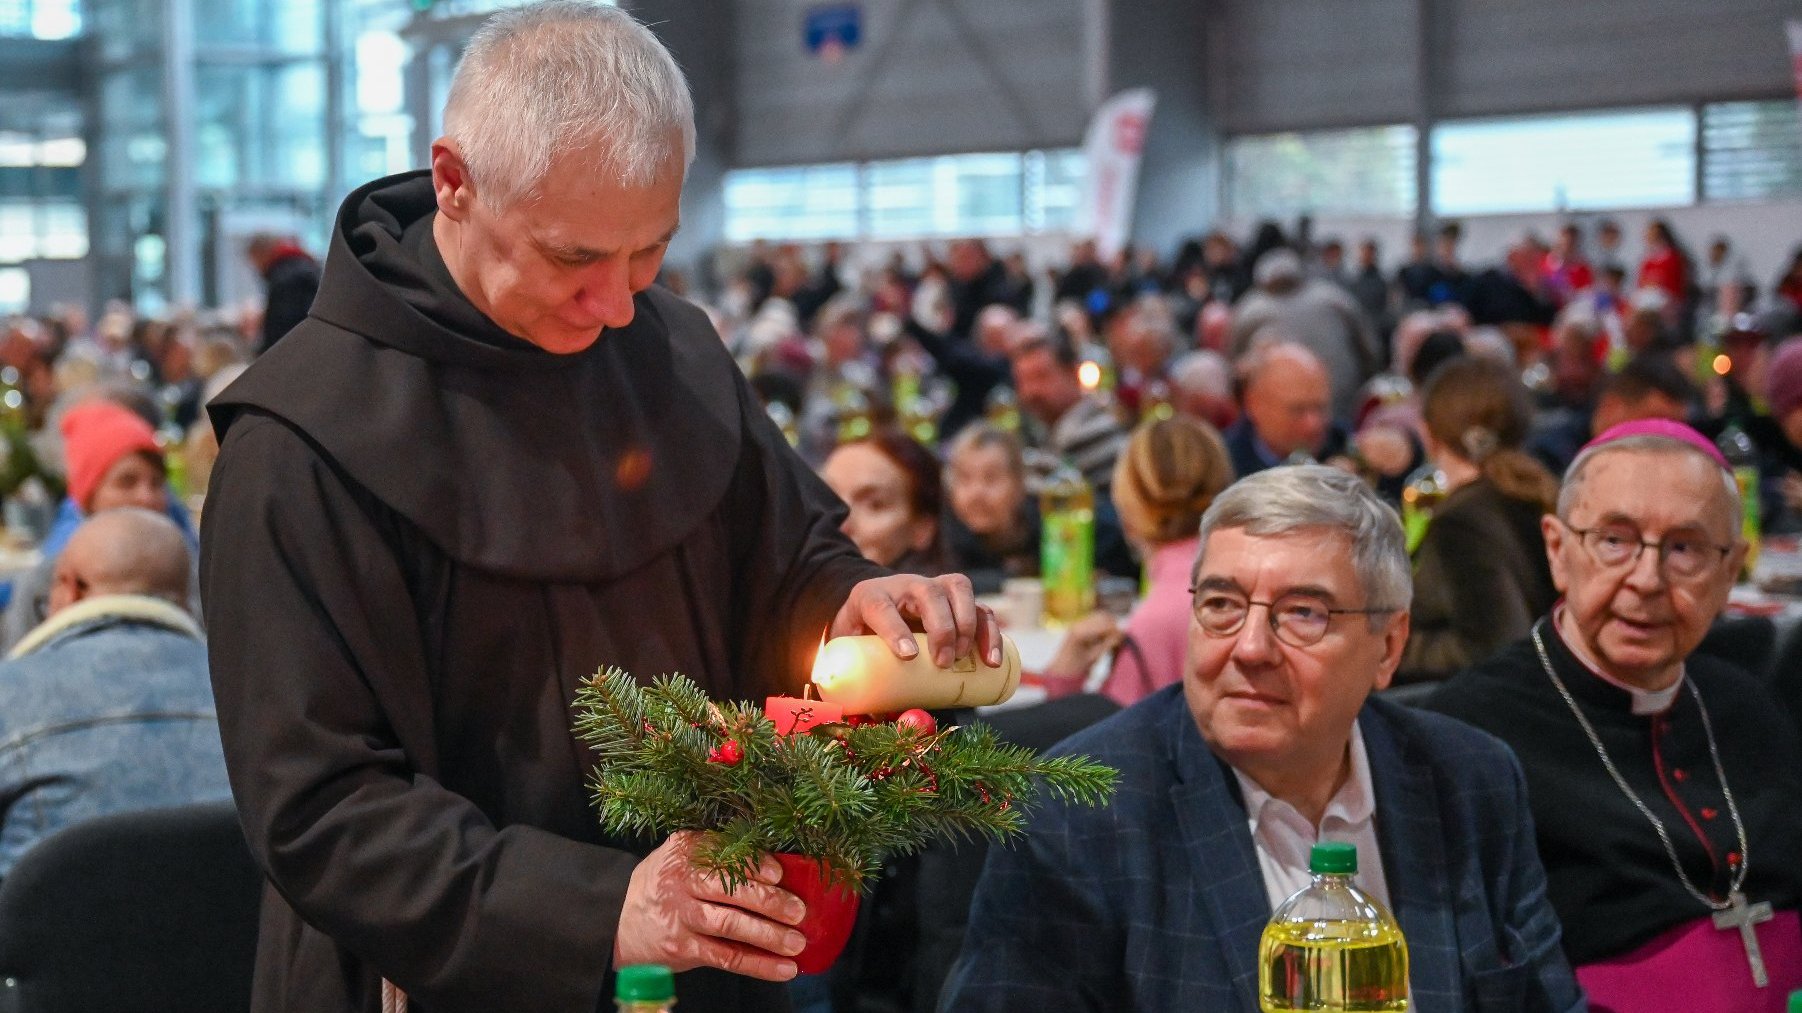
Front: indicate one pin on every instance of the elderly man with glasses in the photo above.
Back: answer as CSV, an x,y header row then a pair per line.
x,y
1666,785
1270,743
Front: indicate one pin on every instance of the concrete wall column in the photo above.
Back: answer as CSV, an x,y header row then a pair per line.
x,y
1162,45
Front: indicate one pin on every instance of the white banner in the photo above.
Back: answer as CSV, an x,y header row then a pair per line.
x,y
1112,147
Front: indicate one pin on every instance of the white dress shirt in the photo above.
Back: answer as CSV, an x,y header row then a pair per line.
x,y
1284,837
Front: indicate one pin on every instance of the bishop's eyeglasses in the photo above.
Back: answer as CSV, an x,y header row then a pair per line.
x,y
1683,555
1298,620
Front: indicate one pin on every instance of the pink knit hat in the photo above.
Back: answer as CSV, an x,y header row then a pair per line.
x,y
1661,427
96,435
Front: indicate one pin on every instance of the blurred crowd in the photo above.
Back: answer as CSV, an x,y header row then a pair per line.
x,y
938,391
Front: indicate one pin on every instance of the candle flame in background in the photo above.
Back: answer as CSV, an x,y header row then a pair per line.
x,y
1722,365
1089,375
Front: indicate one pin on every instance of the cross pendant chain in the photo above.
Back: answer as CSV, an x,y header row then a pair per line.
x,y
1742,916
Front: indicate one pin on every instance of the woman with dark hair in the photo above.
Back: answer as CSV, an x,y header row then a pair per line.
x,y
1668,268
1480,574
892,486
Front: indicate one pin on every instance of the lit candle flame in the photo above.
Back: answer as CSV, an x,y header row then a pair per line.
x,y
1089,375
819,655
835,660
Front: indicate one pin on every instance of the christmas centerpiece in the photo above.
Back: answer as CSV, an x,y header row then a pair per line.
x,y
831,797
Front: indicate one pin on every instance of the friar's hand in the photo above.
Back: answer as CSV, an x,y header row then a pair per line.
x,y
944,606
681,917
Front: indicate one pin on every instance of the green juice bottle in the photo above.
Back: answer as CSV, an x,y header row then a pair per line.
x,y
1332,947
1067,546
1421,495
644,988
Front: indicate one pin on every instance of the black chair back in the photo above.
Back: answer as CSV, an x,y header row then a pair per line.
x,y
146,911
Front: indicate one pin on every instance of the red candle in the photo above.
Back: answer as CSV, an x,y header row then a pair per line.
x,y
792,714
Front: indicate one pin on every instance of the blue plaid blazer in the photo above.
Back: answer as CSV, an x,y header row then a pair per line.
x,y
1156,902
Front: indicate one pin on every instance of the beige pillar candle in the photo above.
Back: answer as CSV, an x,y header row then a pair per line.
x,y
862,675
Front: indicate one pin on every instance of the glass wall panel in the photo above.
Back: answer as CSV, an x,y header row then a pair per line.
x,y
995,194
797,202
40,19
280,26
1368,171
1610,159
1751,150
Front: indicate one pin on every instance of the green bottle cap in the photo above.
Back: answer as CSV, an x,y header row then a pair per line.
x,y
645,983
1333,858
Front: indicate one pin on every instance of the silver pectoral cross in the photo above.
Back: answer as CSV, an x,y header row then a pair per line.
x,y
1742,916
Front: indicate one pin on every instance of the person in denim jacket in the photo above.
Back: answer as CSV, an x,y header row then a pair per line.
x,y
106,706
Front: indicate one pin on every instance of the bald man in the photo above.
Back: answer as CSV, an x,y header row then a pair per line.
x,y
1288,410
106,706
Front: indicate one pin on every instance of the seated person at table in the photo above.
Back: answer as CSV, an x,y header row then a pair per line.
x,y
113,460
1288,410
1666,785
106,707
1480,575
1067,422
1271,743
892,485
1169,472
992,529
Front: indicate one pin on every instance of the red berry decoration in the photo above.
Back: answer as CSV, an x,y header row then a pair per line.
x,y
918,720
727,753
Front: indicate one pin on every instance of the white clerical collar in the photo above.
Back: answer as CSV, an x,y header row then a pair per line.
x,y
1352,804
1645,702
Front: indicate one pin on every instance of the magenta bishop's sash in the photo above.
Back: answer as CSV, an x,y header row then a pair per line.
x,y
1704,965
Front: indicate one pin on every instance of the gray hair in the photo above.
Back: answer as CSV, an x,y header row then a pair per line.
x,y
1203,370
1644,443
982,436
548,78
1302,497
1153,315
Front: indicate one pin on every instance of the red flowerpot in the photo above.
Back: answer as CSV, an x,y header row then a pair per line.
x,y
830,912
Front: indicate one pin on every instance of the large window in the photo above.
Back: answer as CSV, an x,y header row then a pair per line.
x,y
1004,193
42,229
1368,171
1751,151
1634,158
797,202
40,19
41,216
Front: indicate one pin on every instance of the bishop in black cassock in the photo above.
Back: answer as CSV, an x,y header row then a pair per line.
x,y
1661,715
1610,879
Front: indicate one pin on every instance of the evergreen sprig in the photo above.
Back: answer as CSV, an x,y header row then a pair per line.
x,y
847,796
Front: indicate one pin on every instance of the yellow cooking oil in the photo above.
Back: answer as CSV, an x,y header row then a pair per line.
x,y
1332,965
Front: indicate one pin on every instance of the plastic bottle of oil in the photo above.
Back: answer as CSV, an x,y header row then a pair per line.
x,y
1332,947
1067,546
